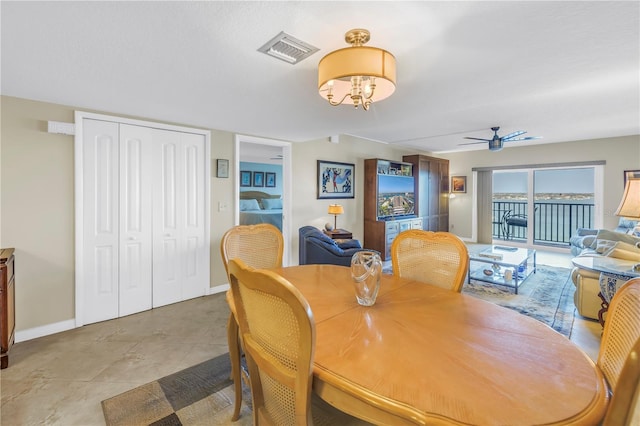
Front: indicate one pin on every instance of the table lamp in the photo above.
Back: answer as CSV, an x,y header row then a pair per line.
x,y
335,210
630,205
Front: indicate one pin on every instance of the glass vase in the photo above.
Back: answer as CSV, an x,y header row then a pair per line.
x,y
366,268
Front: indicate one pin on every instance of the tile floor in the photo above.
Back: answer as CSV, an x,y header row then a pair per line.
x,y
61,379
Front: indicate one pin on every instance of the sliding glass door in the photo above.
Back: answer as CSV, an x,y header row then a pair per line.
x,y
542,206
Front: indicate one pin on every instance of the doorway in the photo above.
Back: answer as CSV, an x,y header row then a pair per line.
x,y
263,171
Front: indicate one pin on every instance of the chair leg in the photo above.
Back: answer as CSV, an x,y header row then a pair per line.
x,y
234,353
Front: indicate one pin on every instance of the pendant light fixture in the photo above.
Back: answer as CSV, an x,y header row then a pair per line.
x,y
357,75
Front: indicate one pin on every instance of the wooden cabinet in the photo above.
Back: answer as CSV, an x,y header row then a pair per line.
x,y
379,234
7,304
432,190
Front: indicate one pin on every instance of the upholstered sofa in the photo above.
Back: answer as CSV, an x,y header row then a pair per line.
x,y
587,282
584,238
317,247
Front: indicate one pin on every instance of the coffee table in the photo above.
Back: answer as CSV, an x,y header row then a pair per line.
x,y
520,263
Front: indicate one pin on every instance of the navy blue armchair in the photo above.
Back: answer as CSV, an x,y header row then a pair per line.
x,y
317,247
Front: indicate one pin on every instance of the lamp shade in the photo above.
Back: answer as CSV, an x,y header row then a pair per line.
x,y
335,209
630,204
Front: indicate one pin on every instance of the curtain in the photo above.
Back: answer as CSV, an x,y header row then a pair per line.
x,y
485,206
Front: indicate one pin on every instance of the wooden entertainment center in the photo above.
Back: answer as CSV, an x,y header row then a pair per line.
x,y
430,210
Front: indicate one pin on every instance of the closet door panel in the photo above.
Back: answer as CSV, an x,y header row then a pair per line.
x,y
168,213
195,265
101,223
136,220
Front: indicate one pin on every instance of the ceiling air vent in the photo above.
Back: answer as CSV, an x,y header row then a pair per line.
x,y
288,49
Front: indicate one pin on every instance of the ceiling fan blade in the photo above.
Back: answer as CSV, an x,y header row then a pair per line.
x,y
478,139
472,143
523,139
513,135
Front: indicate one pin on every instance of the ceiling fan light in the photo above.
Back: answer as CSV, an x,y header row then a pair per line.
x,y
495,145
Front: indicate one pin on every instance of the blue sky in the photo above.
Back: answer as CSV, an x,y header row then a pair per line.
x,y
553,181
391,184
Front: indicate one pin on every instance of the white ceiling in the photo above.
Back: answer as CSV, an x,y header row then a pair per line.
x,y
561,70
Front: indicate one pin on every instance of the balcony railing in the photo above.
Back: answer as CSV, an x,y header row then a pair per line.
x,y
553,223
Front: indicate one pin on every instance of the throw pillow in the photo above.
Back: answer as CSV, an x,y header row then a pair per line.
x,y
605,234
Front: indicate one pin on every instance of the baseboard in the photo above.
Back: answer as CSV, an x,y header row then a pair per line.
x,y
44,330
218,289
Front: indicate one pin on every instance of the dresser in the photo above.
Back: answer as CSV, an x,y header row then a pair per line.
x,y
7,304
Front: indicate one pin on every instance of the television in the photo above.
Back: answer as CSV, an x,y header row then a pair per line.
x,y
396,196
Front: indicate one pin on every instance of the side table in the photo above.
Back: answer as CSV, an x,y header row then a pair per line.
x,y
339,234
607,265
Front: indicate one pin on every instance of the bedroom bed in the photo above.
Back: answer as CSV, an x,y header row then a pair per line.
x,y
260,207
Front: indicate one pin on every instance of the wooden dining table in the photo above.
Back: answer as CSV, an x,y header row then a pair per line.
x,y
425,355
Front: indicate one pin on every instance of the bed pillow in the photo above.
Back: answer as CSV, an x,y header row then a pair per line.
x,y
249,205
272,203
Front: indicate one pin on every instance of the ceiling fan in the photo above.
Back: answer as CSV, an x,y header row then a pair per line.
x,y
497,142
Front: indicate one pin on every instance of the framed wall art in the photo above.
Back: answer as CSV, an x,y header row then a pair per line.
x,y
258,178
222,168
458,184
335,180
270,180
245,178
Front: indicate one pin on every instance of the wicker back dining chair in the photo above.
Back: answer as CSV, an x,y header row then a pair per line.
x,y
279,335
437,258
624,408
621,331
259,246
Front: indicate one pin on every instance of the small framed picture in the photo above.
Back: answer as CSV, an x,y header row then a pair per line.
x,y
258,178
245,178
458,184
222,169
270,181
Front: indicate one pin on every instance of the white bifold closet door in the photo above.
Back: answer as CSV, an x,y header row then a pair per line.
x,y
178,217
143,203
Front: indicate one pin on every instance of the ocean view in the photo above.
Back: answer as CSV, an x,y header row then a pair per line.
x,y
556,217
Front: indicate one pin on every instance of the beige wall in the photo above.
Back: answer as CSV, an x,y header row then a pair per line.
x,y
37,201
619,153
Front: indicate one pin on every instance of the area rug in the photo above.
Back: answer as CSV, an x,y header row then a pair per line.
x,y
545,296
202,394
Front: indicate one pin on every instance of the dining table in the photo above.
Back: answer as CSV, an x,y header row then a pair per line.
x,y
425,355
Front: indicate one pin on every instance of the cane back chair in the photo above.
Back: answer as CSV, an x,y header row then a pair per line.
x,y
624,408
278,332
621,331
260,246
437,258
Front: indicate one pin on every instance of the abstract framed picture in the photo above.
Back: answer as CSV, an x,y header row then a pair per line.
x,y
335,180
258,178
270,179
458,184
245,178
